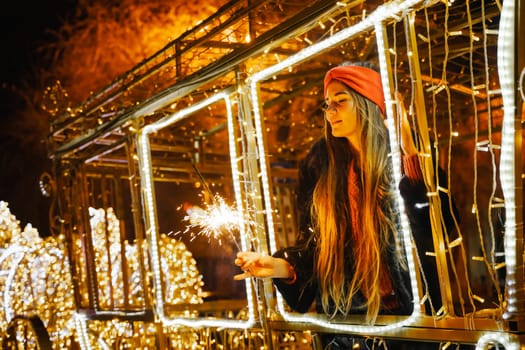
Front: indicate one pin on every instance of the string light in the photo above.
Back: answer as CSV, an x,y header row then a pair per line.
x,y
82,332
151,218
15,255
509,342
506,43
374,20
36,278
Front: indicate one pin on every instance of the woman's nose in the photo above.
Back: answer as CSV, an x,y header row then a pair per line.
x,y
329,112
330,107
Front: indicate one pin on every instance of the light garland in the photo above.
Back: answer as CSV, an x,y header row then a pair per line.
x,y
35,280
182,285
374,20
14,256
152,225
82,332
18,255
509,342
506,43
396,165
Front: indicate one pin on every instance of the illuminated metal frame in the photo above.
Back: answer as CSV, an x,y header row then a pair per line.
x,y
145,169
374,20
506,44
509,341
506,64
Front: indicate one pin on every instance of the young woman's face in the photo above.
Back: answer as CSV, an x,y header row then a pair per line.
x,y
341,112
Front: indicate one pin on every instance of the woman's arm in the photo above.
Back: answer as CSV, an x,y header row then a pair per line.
x,y
291,270
258,265
414,192
408,146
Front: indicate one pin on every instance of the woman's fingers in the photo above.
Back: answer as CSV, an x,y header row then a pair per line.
x,y
247,259
242,276
248,255
254,265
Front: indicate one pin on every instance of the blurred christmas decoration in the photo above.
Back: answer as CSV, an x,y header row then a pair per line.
x,y
35,280
183,284
55,100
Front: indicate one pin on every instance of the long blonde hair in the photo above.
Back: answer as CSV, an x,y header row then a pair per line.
x,y
331,215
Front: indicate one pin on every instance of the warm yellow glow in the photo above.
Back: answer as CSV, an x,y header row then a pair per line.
x,y
506,49
36,278
216,220
375,19
147,181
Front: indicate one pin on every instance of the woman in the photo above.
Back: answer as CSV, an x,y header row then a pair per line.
x,y
348,258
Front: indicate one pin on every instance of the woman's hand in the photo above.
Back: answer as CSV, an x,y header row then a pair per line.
x,y
262,266
403,124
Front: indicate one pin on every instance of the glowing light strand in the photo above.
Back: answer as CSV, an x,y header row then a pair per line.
x,y
152,226
19,254
82,332
396,164
506,42
382,13
509,342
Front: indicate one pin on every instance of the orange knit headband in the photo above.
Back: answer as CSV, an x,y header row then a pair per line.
x,y
365,81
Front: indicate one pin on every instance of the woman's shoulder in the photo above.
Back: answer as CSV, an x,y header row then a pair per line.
x,y
319,147
316,155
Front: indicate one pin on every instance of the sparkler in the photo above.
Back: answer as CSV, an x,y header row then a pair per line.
x,y
215,220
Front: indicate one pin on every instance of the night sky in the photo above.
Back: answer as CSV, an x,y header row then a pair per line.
x,y
25,24
23,154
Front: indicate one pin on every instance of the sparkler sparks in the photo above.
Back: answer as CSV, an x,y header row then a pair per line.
x,y
217,220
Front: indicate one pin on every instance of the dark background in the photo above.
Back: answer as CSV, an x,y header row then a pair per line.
x,y
25,26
